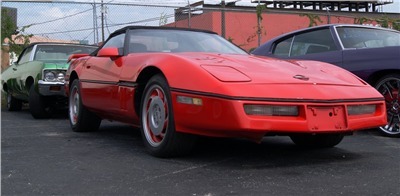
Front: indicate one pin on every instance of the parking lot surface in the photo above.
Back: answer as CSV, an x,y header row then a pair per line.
x,y
44,157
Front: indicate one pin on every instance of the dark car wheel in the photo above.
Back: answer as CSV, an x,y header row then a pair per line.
x,y
317,141
80,118
389,87
158,128
13,104
37,104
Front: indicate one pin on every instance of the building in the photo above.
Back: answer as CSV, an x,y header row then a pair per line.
x,y
239,24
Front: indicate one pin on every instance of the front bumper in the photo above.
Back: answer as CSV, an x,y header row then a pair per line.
x,y
222,117
51,88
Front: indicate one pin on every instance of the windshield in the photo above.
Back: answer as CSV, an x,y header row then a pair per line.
x,y
356,37
160,40
60,52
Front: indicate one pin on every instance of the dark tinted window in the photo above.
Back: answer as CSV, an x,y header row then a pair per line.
x,y
282,48
25,57
317,41
356,37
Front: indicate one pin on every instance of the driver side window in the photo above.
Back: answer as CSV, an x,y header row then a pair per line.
x,y
316,41
25,57
117,42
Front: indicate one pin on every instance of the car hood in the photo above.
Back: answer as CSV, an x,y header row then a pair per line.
x,y
55,65
247,68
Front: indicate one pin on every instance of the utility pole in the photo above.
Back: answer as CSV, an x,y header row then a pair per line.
x,y
102,21
223,19
95,32
189,15
259,25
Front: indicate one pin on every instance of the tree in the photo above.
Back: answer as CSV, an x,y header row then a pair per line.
x,y
388,22
13,35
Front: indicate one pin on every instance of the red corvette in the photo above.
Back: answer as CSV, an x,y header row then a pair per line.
x,y
178,83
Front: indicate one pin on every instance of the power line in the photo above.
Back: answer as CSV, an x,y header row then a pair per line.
x,y
39,23
113,25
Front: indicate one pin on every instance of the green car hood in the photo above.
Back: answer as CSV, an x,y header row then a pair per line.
x,y
55,65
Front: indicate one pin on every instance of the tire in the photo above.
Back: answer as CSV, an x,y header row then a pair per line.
x,y
389,87
37,104
80,118
13,104
317,141
158,126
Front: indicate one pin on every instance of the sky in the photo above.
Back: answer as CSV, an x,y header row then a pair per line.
x,y
69,21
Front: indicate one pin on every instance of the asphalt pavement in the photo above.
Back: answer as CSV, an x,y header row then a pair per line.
x,y
44,157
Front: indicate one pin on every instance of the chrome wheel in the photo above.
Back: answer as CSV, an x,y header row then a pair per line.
x,y
74,105
155,115
389,87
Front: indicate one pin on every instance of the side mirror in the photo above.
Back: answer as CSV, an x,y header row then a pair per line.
x,y
108,52
76,56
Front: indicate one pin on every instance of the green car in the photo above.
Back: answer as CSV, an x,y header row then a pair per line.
x,y
37,77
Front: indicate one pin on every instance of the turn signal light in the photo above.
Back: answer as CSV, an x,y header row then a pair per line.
x,y
271,110
361,109
189,100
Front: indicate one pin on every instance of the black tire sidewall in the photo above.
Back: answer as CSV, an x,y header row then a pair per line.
x,y
166,144
86,120
37,104
13,104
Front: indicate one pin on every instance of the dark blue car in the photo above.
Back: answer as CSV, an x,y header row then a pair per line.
x,y
371,53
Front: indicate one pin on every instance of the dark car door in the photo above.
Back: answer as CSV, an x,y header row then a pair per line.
x,y
367,51
100,77
318,44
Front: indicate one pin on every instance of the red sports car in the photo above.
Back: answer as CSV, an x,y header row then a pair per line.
x,y
178,83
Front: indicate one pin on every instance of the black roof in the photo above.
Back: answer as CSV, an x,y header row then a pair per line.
x,y
159,27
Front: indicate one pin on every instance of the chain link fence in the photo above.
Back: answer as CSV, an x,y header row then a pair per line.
x,y
91,23
85,22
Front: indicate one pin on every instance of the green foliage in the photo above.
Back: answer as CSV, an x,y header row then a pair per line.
x,y
313,19
388,22
8,29
361,20
259,10
383,21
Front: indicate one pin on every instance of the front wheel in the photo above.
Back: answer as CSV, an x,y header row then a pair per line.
x,y
81,119
13,104
317,141
38,105
158,127
389,87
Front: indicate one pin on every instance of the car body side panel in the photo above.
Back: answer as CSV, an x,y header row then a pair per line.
x,y
333,57
99,79
16,75
365,61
